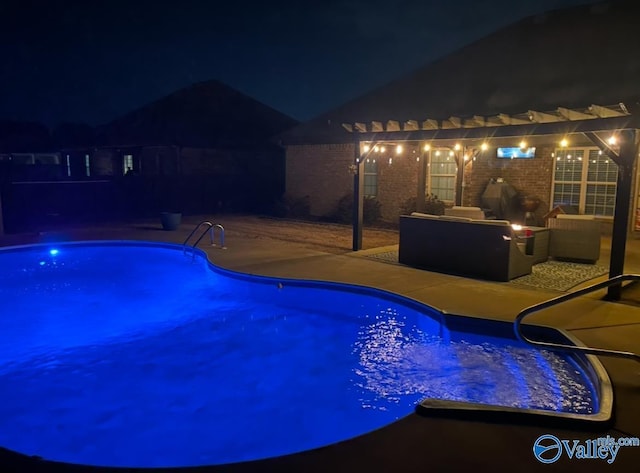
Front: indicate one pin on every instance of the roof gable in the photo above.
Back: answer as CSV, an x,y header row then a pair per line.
x,y
207,114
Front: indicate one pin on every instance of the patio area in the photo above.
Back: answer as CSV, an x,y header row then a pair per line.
x,y
317,251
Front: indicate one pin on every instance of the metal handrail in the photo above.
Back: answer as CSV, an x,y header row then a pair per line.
x,y
208,229
213,235
566,297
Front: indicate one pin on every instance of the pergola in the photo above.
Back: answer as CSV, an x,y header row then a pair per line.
x,y
595,122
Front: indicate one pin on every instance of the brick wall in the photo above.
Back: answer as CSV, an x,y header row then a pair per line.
x,y
397,182
320,172
529,176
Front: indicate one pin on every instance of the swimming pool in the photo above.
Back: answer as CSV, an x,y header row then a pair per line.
x,y
134,354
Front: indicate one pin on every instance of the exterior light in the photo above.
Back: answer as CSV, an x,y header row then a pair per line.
x,y
484,146
599,152
466,157
366,148
438,153
418,159
390,161
612,140
427,147
456,146
382,149
523,144
399,149
564,143
376,148
450,153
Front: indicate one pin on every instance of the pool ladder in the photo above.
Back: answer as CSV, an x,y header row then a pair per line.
x,y
566,297
210,228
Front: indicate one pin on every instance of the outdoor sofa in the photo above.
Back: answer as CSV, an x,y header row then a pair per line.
x,y
574,238
484,249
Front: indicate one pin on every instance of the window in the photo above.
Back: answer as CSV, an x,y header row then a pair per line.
x,y
370,177
68,165
127,164
585,178
441,178
87,165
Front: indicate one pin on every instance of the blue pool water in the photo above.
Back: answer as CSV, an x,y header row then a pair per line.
x,y
137,355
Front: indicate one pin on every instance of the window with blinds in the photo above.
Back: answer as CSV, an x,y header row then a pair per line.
x,y
370,177
585,178
441,179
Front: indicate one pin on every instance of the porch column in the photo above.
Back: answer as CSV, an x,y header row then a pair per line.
x,y
358,196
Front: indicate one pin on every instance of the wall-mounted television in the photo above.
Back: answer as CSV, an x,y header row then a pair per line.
x,y
515,152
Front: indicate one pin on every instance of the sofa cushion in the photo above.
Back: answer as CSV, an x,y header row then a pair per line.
x,y
421,215
469,212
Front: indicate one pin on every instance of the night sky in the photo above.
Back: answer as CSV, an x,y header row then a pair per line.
x,y
92,61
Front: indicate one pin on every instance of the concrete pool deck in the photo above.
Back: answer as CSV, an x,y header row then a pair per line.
x,y
417,443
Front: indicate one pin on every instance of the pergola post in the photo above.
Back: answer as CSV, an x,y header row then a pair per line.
x,y
358,195
459,176
422,180
626,158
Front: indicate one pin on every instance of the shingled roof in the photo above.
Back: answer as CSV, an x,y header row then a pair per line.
x,y
570,58
206,114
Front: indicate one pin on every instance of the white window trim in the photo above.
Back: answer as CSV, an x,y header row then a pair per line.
x,y
582,200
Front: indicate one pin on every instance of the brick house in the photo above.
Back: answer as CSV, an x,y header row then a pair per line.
x,y
542,83
201,149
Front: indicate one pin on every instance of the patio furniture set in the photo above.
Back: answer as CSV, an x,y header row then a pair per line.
x,y
463,242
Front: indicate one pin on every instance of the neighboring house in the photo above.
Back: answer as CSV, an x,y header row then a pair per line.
x,y
202,149
535,83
